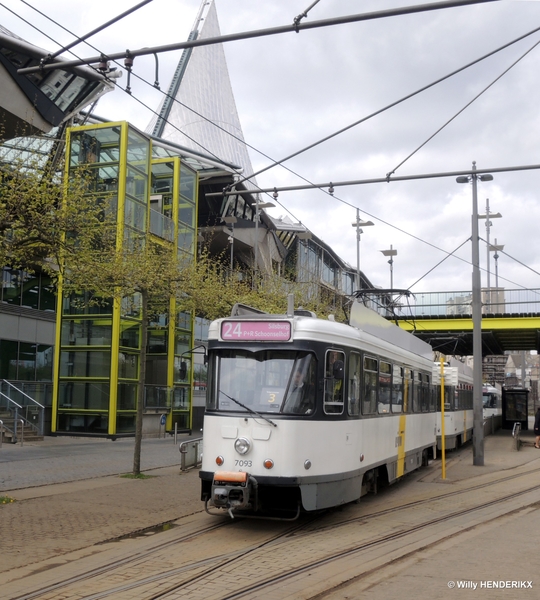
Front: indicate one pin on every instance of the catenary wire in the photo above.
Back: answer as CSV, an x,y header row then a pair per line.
x,y
465,107
337,198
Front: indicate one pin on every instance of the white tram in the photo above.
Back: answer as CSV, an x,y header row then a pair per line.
x,y
492,401
306,413
458,403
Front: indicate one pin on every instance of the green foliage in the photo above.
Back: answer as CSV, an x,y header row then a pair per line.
x,y
6,500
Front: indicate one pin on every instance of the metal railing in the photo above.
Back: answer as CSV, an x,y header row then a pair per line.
x,y
191,454
516,436
495,301
29,409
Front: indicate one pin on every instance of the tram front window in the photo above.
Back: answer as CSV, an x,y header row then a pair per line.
x,y
270,381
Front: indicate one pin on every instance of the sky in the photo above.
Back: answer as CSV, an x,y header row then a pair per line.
x,y
294,89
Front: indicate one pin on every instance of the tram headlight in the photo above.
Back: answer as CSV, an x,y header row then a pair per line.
x,y
242,445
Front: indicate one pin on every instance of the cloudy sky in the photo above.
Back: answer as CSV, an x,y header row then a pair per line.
x,y
294,89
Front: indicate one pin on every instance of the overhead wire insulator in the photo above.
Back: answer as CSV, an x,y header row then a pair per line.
x,y
128,64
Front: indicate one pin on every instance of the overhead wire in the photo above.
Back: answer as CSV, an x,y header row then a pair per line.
x,y
484,90
278,162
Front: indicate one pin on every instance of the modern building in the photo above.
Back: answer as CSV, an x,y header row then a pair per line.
x,y
165,182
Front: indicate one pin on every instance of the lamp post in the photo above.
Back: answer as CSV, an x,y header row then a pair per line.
x,y
358,224
496,248
231,221
258,206
478,424
489,215
391,253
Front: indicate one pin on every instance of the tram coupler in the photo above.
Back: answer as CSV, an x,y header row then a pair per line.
x,y
234,490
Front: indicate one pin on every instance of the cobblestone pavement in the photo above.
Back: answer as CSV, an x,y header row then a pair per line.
x,y
69,497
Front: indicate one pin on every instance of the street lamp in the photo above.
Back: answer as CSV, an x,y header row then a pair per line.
x,y
496,248
489,215
391,253
358,224
258,206
231,221
478,428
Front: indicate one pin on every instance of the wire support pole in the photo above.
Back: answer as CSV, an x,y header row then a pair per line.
x,y
312,186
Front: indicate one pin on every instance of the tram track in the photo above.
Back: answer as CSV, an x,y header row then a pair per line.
x,y
180,581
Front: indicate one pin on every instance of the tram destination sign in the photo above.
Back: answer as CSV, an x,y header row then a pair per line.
x,y
256,331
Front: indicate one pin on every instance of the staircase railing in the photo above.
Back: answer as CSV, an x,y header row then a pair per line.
x,y
29,404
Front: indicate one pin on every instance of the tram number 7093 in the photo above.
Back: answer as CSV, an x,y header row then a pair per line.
x,y
243,463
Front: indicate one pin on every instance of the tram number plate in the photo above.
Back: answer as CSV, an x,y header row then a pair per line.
x,y
243,463
261,331
399,441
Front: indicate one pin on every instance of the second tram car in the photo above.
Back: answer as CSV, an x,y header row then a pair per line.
x,y
491,401
458,403
305,413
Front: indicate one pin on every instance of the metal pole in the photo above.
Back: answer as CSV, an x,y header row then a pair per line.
x,y
488,225
358,232
478,431
232,247
391,262
255,270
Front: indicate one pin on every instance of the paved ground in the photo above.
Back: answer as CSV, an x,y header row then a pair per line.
x,y
69,497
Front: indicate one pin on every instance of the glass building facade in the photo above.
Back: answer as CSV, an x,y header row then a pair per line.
x,y
99,346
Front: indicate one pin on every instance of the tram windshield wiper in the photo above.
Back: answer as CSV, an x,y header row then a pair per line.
x,y
250,410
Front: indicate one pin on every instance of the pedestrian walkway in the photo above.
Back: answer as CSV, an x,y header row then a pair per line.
x,y
62,459
69,497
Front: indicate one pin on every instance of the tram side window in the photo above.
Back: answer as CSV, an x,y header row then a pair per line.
x,y
385,387
417,390
334,382
369,400
407,390
432,397
397,390
355,367
425,392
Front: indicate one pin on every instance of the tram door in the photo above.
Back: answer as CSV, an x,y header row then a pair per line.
x,y
515,408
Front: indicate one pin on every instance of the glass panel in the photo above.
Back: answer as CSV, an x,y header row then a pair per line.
x,y
86,332
187,214
30,291
27,361
44,362
180,398
187,182
128,365
11,286
385,387
185,240
95,363
78,394
302,388
397,390
333,385
416,392
85,304
97,145
135,214
47,297
8,359
138,150
83,423
407,389
157,341
125,423
369,401
355,364
261,380
127,396
129,335
137,185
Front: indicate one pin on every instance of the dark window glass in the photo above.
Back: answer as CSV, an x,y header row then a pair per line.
x,y
8,359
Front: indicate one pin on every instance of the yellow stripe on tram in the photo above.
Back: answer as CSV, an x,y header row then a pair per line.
x,y
401,446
